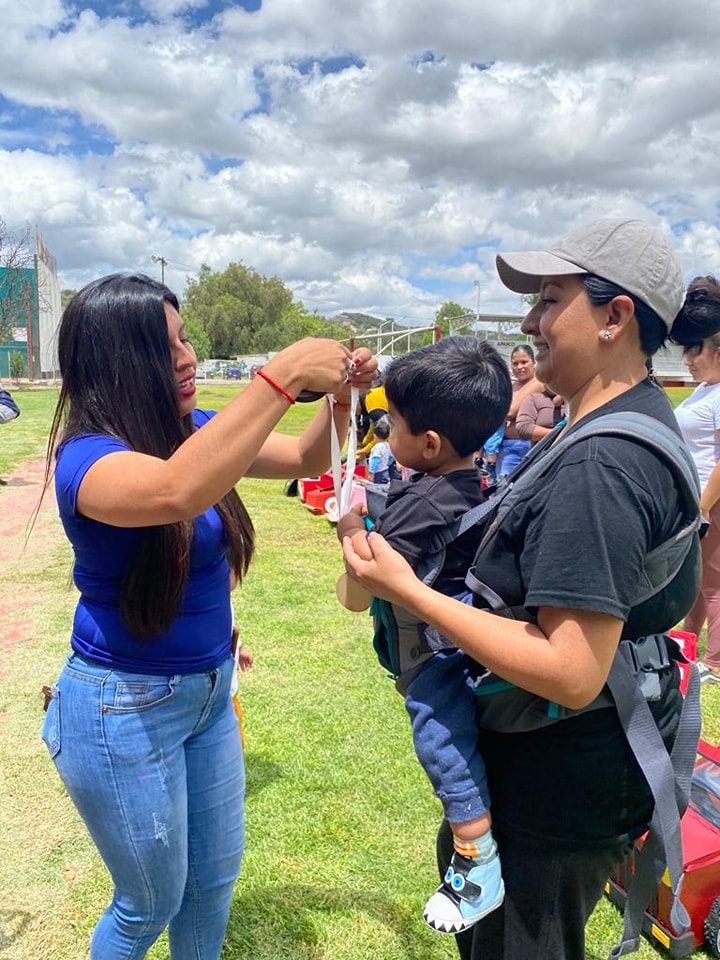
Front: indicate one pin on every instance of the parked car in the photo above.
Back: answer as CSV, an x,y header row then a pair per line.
x,y
700,895
233,373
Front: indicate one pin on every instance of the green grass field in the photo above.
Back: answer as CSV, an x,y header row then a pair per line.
x,y
340,819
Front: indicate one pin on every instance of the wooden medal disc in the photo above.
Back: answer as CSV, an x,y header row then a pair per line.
x,y
351,594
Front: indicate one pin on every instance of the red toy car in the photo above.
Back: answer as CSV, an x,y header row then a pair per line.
x,y
701,885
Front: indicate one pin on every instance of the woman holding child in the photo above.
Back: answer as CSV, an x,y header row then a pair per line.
x,y
140,724
568,798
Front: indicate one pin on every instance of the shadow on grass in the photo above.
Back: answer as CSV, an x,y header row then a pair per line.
x,y
259,773
282,921
12,926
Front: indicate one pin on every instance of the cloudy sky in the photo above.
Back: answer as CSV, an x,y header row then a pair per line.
x,y
373,154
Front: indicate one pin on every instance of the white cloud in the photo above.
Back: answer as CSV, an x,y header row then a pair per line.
x,y
383,186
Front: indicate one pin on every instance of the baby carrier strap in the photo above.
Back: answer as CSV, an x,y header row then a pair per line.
x,y
402,642
669,777
662,847
429,567
632,426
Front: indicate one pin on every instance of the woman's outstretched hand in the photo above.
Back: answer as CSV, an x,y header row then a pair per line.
x,y
386,574
313,363
363,373
323,366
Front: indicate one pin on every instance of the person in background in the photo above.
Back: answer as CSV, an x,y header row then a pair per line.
x,y
375,403
9,410
489,453
513,447
699,420
538,414
140,724
381,459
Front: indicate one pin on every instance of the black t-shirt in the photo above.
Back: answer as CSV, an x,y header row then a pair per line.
x,y
578,542
420,509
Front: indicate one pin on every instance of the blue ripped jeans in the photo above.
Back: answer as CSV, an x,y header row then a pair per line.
x,y
154,765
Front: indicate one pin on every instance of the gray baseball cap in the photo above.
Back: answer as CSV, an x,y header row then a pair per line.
x,y
630,253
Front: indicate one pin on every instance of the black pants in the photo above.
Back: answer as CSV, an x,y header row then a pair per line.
x,y
549,896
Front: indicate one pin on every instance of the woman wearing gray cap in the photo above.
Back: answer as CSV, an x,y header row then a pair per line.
x,y
568,797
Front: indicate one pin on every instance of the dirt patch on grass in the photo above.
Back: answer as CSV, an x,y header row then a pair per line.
x,y
18,500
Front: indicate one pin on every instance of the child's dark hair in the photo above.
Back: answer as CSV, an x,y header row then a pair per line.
x,y
381,428
460,387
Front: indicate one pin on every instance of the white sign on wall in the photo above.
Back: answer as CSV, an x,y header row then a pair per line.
x,y
20,334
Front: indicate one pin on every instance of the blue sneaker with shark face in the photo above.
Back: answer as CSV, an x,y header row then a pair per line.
x,y
469,892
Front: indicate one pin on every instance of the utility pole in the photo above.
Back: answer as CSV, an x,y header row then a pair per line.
x,y
162,261
476,283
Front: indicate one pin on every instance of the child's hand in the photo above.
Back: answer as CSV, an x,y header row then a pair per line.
x,y
351,523
245,660
360,545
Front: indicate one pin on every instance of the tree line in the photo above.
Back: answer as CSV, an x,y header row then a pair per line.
x,y
228,313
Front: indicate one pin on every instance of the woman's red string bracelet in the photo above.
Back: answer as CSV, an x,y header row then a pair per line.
x,y
275,385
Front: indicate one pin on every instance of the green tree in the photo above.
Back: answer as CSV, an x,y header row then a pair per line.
x,y
65,297
443,315
16,262
198,338
16,366
450,311
240,310
297,322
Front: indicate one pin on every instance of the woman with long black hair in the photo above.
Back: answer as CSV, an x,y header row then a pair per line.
x,y
140,724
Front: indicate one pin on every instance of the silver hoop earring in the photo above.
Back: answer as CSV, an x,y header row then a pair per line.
x,y
607,336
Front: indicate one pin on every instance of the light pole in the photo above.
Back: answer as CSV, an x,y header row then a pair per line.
x,y
476,283
162,261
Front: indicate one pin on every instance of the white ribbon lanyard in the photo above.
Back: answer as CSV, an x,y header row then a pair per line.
x,y
343,487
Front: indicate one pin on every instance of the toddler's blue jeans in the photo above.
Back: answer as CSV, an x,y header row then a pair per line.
x,y
441,705
154,766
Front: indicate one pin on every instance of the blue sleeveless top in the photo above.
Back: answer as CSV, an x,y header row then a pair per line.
x,y
199,638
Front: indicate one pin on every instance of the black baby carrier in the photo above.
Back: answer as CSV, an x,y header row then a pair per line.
x,y
403,644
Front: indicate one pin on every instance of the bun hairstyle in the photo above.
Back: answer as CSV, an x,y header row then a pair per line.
x,y
699,318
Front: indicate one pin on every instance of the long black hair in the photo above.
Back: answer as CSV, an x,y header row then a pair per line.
x,y
118,380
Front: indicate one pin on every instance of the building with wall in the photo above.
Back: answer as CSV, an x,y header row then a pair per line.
x,y
31,299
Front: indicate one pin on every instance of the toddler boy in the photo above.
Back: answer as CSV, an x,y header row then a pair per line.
x,y
444,401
